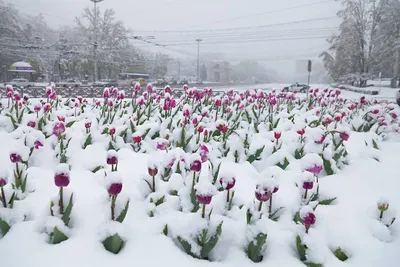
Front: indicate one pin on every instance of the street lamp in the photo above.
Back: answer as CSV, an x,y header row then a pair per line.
x,y
198,58
95,44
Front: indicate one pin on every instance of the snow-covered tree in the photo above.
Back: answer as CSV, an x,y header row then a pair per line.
x,y
354,49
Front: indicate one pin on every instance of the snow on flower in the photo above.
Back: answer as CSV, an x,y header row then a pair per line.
x,y
312,162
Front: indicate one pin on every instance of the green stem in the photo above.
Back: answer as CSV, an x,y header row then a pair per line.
x,y
270,205
61,201
305,194
3,198
260,206
113,198
227,196
203,212
17,177
154,185
380,217
194,179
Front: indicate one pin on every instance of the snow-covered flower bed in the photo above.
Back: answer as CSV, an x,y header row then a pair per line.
x,y
228,180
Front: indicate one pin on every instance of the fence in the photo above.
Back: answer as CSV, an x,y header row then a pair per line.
x,y
88,92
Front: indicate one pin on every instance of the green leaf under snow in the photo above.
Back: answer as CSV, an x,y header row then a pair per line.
x,y
297,218
256,156
210,244
67,213
14,123
193,199
254,249
248,216
160,201
23,185
375,145
4,227
113,244
51,208
165,231
145,133
123,213
40,124
216,173
274,213
301,249
327,201
327,166
339,253
57,236
284,165
69,124
12,199
312,264
148,183
88,141
186,246
97,169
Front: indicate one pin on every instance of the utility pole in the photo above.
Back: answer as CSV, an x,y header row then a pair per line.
x,y
95,44
5,73
198,59
396,69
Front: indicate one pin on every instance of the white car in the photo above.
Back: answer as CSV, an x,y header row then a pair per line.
x,y
302,88
20,83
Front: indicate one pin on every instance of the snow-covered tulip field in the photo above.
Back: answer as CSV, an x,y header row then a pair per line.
x,y
239,179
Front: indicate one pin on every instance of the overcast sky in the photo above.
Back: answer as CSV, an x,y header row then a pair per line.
x,y
300,35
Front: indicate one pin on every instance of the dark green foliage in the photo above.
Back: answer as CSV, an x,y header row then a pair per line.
x,y
256,156
56,237
113,244
339,253
255,248
123,213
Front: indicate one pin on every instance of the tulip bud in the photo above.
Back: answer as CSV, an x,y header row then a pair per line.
x,y
308,217
195,166
114,183
112,157
15,158
61,177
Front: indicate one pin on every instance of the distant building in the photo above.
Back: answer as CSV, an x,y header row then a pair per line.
x,y
218,71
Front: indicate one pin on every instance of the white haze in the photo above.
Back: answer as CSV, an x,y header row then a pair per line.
x,y
186,15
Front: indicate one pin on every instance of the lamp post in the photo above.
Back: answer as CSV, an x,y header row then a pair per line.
x,y
5,73
198,58
95,44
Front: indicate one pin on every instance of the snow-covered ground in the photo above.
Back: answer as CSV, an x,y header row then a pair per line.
x,y
364,175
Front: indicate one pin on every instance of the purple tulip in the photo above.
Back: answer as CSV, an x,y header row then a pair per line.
x,y
227,183
3,181
58,129
15,158
315,170
309,219
264,196
204,199
152,171
114,189
61,179
308,185
195,166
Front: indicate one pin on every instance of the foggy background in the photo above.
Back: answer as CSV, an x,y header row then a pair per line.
x,y
277,34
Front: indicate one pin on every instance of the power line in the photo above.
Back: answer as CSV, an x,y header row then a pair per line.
x,y
241,28
250,40
258,14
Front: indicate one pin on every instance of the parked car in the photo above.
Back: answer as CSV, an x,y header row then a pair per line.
x,y
159,82
106,83
20,82
302,88
69,83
